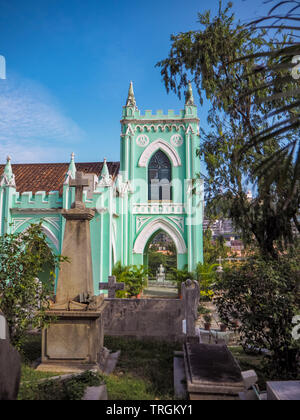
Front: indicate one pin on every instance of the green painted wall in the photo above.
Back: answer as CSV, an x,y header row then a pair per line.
x,y
125,219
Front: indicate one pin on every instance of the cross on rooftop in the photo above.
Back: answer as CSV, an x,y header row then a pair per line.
x,y
79,183
112,286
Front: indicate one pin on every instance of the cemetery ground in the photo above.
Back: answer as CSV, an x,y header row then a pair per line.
x,y
144,371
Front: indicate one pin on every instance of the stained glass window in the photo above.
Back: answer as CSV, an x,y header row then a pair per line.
x,y
159,177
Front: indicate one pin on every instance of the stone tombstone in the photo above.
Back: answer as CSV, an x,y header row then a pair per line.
x,y
190,295
76,277
2,327
283,391
74,341
10,365
112,286
212,373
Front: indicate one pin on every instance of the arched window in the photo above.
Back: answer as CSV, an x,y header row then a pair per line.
x,y
159,177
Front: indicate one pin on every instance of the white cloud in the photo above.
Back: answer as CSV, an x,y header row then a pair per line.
x,y
33,128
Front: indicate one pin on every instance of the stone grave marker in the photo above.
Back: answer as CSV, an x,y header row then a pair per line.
x,y
283,391
2,328
112,286
212,373
190,296
75,341
10,365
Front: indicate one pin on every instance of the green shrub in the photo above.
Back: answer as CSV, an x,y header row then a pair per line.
x,y
262,295
133,276
23,298
69,389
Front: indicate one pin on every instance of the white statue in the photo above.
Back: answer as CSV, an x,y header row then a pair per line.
x,y
160,274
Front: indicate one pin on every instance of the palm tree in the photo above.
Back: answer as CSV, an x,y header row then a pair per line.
x,y
280,66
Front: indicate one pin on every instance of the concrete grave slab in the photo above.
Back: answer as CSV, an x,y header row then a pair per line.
x,y
180,390
283,391
95,393
212,372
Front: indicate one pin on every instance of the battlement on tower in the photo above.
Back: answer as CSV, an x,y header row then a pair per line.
x,y
39,200
159,115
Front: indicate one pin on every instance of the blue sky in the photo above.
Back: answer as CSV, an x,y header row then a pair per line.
x,y
69,64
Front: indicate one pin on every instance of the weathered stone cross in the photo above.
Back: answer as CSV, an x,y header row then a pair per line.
x,y
112,286
79,183
220,268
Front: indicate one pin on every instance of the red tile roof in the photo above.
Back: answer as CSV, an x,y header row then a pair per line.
x,y
50,176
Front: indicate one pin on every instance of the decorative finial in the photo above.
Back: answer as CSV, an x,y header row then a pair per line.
x,y
189,97
72,167
105,171
8,177
105,179
131,99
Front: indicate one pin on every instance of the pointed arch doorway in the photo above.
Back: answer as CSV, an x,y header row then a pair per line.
x,y
148,232
160,252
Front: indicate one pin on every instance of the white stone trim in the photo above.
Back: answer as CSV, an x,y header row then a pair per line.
x,y
54,221
165,147
130,130
154,226
140,221
5,182
142,140
177,140
179,221
51,236
156,125
158,208
190,130
17,223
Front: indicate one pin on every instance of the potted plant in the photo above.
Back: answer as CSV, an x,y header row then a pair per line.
x,y
134,277
207,321
223,327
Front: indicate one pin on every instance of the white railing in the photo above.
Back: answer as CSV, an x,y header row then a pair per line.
x,y
158,208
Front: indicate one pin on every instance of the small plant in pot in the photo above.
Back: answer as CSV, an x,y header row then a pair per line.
x,y
223,327
207,321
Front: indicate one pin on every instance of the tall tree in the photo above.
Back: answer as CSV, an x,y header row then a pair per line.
x,y
23,298
209,57
280,67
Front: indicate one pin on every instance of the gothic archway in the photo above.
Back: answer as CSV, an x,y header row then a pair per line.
x,y
160,251
156,225
169,150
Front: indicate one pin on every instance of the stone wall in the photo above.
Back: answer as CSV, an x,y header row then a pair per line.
x,y
159,319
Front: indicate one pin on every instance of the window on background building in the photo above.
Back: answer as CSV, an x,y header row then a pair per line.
x,y
159,177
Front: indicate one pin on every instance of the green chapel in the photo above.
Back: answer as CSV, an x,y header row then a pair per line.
x,y
154,188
